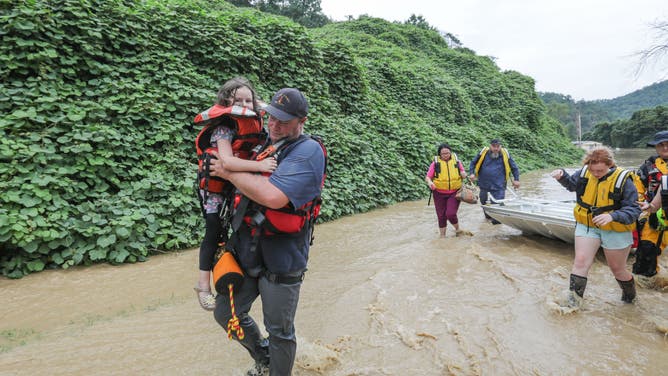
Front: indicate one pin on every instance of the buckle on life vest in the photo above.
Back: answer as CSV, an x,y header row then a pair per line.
x,y
257,219
596,210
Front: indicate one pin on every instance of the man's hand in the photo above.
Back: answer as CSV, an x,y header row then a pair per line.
x,y
472,177
217,167
516,184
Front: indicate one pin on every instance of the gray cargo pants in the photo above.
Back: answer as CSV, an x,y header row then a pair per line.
x,y
279,304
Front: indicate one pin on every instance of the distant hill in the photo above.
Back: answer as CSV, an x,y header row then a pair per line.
x,y
564,108
633,132
647,97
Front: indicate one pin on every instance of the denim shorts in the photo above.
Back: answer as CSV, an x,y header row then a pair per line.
x,y
610,240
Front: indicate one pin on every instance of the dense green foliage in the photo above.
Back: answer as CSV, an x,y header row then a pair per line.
x,y
634,132
565,109
97,99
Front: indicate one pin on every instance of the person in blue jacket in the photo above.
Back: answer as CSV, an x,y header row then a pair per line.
x,y
492,168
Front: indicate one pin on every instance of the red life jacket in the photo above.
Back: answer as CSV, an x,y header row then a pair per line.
x,y
249,135
654,178
285,220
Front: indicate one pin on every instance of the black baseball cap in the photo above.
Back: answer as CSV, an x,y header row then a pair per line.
x,y
495,141
287,104
659,137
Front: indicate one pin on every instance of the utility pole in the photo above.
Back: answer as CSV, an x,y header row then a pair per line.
x,y
578,127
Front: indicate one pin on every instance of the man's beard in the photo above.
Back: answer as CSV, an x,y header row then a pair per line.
x,y
495,154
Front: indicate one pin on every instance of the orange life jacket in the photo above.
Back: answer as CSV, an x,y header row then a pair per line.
x,y
249,135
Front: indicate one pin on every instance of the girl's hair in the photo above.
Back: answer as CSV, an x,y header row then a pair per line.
x,y
229,89
599,155
441,147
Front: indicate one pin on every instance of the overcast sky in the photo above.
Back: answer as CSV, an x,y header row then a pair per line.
x,y
581,48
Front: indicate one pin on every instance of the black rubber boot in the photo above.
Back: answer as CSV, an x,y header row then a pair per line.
x,y
646,259
578,284
628,290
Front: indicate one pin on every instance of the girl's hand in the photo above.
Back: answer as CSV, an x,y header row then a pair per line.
x,y
602,219
557,174
268,164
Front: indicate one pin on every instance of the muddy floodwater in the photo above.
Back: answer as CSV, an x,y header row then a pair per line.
x,y
383,296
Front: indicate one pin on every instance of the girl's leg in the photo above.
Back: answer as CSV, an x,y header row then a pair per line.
x,y
208,249
617,263
585,251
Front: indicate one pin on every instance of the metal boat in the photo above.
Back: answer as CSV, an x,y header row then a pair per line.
x,y
551,219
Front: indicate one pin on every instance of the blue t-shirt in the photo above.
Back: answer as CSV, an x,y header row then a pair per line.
x,y
299,176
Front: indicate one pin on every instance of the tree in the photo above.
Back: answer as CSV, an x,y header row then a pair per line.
x,y
418,21
451,40
658,51
241,3
305,12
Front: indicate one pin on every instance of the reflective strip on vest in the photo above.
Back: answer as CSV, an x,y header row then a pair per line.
x,y
217,110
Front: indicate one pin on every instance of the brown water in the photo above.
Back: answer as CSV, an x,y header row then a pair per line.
x,y
383,296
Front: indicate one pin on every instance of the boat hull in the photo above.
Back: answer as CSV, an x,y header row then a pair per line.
x,y
551,219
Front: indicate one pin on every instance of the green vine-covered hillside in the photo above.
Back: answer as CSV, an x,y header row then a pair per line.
x,y
97,99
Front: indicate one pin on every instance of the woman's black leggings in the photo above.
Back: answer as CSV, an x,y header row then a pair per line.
x,y
209,244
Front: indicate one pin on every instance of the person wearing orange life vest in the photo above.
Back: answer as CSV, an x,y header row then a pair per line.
x,y
652,237
444,178
231,141
274,261
605,215
493,167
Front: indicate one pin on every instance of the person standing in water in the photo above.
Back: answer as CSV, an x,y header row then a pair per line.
x,y
605,215
652,236
493,167
274,234
444,178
